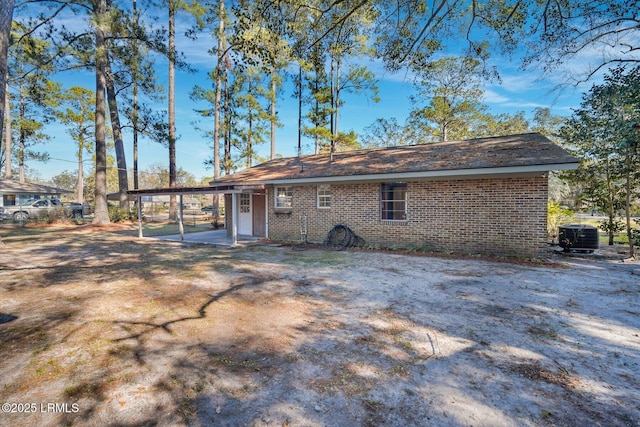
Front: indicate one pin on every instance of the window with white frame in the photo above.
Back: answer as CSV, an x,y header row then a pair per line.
x,y
324,196
245,203
284,197
393,201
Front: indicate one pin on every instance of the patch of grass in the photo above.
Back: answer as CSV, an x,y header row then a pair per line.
x,y
366,339
393,330
233,362
373,409
406,345
262,249
85,390
399,370
315,257
40,350
534,371
49,370
12,234
544,331
187,410
96,347
546,415
343,380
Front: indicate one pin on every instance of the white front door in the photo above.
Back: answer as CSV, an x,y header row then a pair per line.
x,y
245,224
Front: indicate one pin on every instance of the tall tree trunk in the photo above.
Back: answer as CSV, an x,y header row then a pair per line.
x,y
21,136
136,179
80,184
250,123
333,110
273,113
134,118
227,124
627,206
7,135
316,109
121,161
217,107
300,112
337,100
101,212
6,18
216,124
610,207
172,107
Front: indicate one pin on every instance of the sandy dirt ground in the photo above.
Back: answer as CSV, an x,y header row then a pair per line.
x,y
102,329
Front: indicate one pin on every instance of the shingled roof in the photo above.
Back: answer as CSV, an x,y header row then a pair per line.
x,y
524,153
481,157
11,186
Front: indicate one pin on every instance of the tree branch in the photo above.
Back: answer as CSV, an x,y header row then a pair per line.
x,y
340,21
428,24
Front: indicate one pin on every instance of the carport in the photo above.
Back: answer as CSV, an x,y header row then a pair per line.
x,y
233,189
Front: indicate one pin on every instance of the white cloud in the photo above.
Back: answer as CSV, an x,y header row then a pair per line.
x,y
493,97
196,51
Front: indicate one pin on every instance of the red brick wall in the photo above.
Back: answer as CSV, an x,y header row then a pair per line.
x,y
504,216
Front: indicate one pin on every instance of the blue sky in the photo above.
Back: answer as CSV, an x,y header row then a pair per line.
x,y
518,91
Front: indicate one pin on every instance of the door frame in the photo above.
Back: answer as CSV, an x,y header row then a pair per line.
x,y
245,219
259,214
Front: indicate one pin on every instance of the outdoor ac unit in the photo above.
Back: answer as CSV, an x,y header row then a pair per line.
x,y
578,237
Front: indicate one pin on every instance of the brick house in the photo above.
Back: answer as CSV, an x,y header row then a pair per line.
x,y
485,195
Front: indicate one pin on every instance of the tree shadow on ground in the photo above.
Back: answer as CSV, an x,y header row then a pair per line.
x,y
342,348
367,371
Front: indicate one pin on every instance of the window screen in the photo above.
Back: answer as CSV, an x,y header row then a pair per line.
x,y
393,201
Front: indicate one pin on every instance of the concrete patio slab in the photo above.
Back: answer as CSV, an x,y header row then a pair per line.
x,y
218,238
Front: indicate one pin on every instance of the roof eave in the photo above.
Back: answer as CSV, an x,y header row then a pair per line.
x,y
219,189
438,174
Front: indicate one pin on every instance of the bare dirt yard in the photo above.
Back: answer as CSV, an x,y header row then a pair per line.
x,y
100,328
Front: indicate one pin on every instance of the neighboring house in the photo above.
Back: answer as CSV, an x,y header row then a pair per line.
x,y
486,195
14,192
191,203
149,202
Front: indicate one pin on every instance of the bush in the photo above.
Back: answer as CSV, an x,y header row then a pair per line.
x,y
56,216
611,225
118,214
556,216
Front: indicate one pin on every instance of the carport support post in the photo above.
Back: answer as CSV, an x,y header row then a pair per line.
x,y
139,203
180,225
234,220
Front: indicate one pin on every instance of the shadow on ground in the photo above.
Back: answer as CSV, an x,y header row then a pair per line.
x,y
140,332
